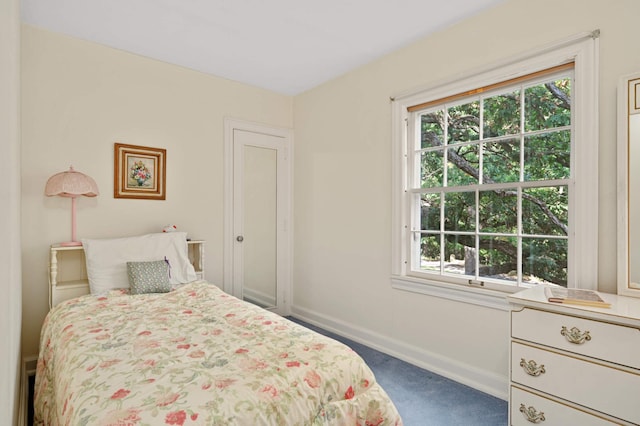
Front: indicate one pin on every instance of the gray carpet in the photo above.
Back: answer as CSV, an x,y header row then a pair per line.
x,y
424,398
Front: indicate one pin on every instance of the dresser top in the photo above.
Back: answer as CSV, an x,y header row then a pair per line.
x,y
624,310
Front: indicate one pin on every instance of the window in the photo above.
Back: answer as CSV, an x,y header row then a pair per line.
x,y
496,176
489,176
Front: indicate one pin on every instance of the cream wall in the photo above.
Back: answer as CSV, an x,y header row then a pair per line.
x,y
78,98
343,184
11,301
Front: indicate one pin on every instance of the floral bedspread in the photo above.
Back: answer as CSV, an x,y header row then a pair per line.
x,y
196,356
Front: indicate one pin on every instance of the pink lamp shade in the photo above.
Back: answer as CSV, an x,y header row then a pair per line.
x,y
71,184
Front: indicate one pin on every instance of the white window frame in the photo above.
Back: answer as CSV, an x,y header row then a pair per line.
x,y
581,49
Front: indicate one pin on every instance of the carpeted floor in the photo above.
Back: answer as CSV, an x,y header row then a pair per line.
x,y
424,398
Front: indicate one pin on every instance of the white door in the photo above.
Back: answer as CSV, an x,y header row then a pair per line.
x,y
258,267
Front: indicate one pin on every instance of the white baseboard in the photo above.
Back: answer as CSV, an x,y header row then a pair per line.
x,y
487,382
29,364
259,298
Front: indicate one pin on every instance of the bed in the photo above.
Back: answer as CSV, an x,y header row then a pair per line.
x,y
195,355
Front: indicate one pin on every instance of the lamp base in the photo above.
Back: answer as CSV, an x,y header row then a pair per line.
x,y
71,244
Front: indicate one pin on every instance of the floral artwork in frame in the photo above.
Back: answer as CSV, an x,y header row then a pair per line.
x,y
139,172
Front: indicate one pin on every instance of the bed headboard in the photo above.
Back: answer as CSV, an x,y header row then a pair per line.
x,y
68,272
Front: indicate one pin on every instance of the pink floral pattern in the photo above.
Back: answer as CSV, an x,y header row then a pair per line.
x,y
196,356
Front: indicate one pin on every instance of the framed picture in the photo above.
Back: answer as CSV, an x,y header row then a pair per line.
x,y
139,172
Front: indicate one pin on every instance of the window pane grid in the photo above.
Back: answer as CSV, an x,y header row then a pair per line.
x,y
419,232
554,141
491,187
476,172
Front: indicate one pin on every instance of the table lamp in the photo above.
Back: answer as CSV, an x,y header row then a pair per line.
x,y
71,184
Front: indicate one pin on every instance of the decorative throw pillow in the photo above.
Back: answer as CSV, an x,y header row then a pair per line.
x,y
148,277
107,259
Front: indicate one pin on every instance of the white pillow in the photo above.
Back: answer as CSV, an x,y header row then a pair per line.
x,y
107,258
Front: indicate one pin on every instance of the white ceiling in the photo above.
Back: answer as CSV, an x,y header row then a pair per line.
x,y
287,46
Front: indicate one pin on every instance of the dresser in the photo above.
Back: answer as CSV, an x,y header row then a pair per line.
x,y
68,273
574,365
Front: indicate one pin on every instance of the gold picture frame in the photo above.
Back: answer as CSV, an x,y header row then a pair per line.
x,y
139,172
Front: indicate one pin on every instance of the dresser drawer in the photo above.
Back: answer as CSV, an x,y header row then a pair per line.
x,y
599,387
528,408
610,342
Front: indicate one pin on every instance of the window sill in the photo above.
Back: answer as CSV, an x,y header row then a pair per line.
x,y
482,297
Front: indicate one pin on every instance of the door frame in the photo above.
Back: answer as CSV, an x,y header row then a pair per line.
x,y
285,234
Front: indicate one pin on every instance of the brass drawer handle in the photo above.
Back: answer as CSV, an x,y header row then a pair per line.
x,y
575,336
532,368
531,414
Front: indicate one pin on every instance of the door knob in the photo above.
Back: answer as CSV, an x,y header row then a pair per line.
x,y
239,238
